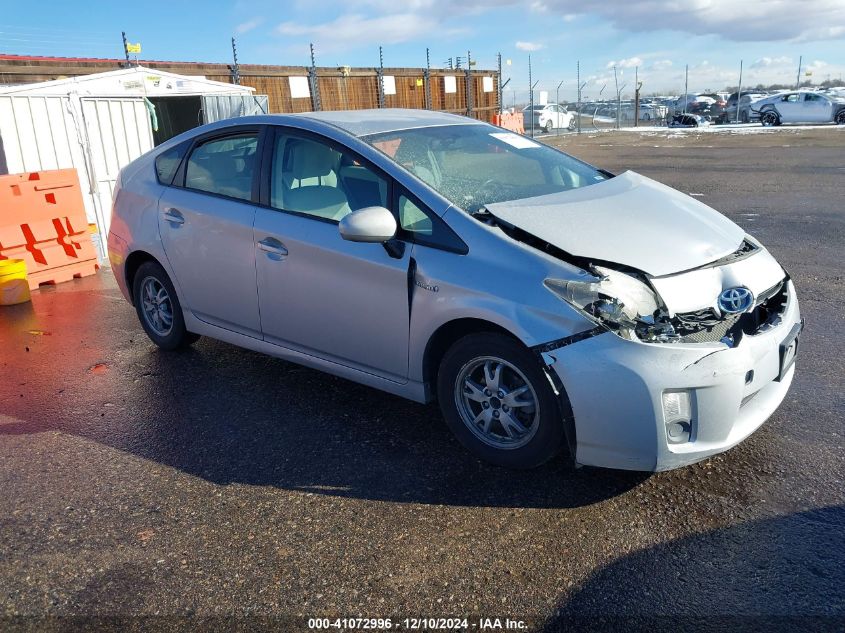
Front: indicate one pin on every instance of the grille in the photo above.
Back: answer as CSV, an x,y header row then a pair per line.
x,y
714,333
705,326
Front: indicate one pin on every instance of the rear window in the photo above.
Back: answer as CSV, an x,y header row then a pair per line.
x,y
167,163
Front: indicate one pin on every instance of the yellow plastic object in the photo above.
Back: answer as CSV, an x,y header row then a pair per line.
x,y
14,287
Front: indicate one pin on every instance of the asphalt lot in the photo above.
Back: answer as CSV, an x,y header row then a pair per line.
x,y
224,488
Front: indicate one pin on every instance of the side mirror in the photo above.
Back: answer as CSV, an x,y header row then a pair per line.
x,y
370,224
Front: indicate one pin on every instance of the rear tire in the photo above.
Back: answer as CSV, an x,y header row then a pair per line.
x,y
548,127
743,116
159,309
769,118
498,403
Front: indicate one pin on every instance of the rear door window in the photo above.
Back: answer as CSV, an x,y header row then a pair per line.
x,y
224,166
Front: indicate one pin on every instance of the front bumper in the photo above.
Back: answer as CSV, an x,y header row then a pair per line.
x,y
616,386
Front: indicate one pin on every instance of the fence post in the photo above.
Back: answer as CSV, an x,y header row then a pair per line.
x,y
530,97
578,83
236,70
380,76
499,82
469,87
427,79
316,104
125,48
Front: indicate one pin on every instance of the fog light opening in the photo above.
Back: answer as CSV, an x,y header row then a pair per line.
x,y
677,415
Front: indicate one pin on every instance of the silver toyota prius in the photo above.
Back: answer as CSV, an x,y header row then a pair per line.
x,y
542,302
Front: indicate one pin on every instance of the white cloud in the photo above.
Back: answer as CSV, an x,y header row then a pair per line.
x,y
662,64
629,62
529,46
349,30
746,21
249,25
766,62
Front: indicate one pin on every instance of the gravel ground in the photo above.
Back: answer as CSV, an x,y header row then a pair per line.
x,y
221,489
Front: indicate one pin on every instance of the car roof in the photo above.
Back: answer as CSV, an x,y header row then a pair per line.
x,y
364,122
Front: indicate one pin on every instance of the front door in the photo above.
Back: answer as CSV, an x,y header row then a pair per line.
x,y
817,108
205,222
341,301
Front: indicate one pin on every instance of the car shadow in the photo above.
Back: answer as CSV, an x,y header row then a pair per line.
x,y
231,416
780,574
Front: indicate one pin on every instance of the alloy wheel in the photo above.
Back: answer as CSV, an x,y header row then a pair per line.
x,y
156,306
497,403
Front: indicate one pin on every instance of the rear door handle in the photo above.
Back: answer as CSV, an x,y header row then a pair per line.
x,y
173,216
273,247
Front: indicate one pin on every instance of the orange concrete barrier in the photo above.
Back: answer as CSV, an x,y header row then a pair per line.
x,y
43,223
510,121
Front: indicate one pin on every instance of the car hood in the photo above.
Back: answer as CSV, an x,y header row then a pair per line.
x,y
629,220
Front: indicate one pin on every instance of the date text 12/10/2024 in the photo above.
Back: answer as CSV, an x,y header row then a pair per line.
x,y
417,624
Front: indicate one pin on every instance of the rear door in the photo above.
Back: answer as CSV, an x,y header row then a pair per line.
x,y
340,301
205,222
790,108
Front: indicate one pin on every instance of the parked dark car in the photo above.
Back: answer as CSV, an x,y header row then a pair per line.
x,y
715,111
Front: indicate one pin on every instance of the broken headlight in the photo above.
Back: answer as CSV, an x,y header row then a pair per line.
x,y
618,302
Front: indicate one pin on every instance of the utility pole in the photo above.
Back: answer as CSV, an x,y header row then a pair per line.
x,y
798,80
125,48
739,93
236,71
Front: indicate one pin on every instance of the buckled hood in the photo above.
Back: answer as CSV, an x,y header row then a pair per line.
x,y
629,220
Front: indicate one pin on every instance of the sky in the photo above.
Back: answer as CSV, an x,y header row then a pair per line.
x,y
652,40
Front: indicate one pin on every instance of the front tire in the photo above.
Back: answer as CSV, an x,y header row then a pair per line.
x,y
498,403
571,126
840,118
548,127
158,308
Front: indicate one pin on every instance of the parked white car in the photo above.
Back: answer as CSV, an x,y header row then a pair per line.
x,y
549,117
800,106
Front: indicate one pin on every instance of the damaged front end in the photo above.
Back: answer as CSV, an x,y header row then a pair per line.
x,y
632,309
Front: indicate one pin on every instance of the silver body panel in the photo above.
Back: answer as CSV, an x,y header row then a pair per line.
x,y
353,310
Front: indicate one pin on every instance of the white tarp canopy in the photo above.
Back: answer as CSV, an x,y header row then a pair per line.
x,y
136,81
99,123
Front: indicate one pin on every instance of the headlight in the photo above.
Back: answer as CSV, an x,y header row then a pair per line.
x,y
615,300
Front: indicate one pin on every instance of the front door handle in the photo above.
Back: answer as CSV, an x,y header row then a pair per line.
x,y
173,216
273,247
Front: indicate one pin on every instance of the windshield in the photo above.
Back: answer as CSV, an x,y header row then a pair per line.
x,y
476,165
